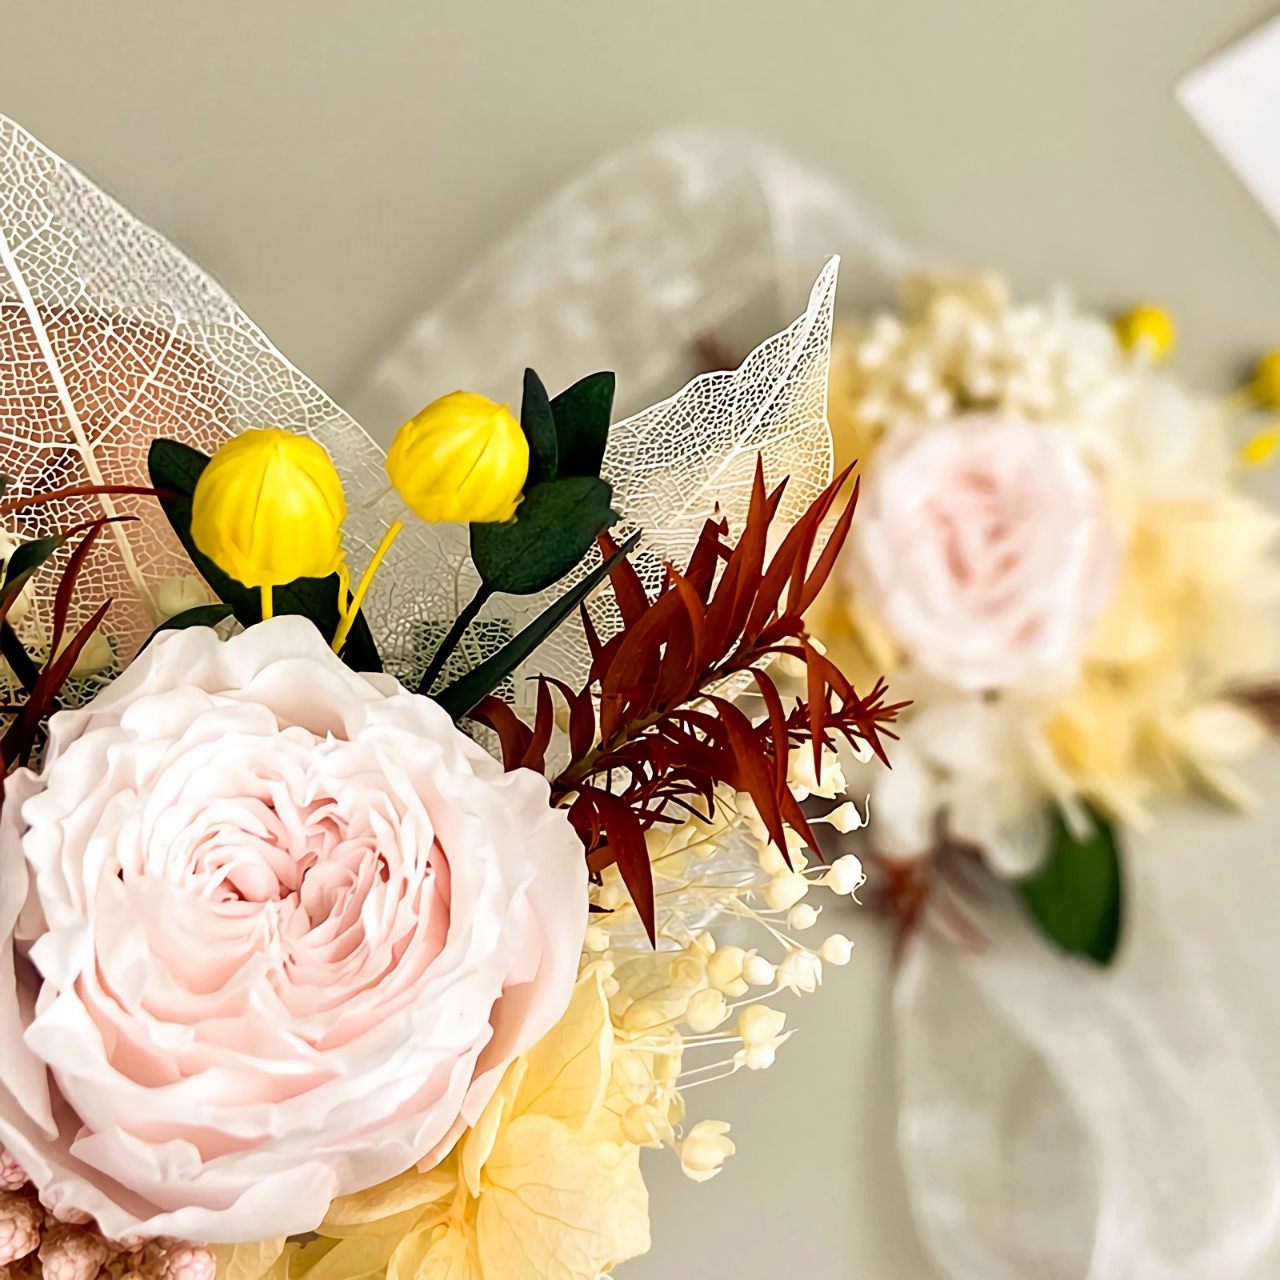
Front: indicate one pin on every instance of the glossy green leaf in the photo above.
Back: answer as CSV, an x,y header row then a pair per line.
x,y
478,683
555,526
176,468
27,557
14,652
1077,897
201,615
582,414
539,427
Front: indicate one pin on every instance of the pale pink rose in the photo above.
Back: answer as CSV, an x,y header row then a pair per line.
x,y
986,548
284,927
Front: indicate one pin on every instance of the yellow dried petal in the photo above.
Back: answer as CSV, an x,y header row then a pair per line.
x,y
569,1068
398,1195
558,1206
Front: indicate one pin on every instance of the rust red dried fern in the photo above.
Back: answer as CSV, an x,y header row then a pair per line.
x,y
651,735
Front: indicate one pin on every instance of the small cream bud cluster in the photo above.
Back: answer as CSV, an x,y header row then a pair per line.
x,y
669,1006
963,345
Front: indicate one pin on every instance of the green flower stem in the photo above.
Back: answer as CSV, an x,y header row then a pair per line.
x,y
456,632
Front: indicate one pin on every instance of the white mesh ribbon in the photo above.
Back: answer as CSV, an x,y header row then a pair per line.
x,y
1058,1123
693,232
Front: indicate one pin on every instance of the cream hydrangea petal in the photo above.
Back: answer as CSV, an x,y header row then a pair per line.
x,y
479,1140
409,1191
569,1068
445,1250
362,1257
558,1206
248,1261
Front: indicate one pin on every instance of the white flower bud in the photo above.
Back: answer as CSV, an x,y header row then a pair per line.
x,y
846,875
687,970
801,971
804,781
724,971
759,1057
844,818
771,861
597,938
802,916
785,890
705,1149
750,812
758,1024
705,943
706,1011
757,970
836,950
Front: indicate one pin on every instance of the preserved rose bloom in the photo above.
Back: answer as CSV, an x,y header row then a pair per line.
x,y
986,548
273,932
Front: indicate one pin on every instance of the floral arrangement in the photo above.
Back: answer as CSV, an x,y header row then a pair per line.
x,y
296,978
1055,562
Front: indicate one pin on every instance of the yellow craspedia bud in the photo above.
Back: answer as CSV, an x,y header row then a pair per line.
x,y
1265,387
1261,449
463,459
1147,329
269,508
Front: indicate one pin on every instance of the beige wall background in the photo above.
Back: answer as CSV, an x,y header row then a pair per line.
x,y
336,165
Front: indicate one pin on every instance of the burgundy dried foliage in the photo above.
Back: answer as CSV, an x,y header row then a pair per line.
x,y
1263,700
936,893
25,729
649,737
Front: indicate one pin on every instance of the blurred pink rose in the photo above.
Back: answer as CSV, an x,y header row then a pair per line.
x,y
986,548
278,930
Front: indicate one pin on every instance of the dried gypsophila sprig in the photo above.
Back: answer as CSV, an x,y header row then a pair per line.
x,y
720,884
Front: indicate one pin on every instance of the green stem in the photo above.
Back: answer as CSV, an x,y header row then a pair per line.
x,y
456,632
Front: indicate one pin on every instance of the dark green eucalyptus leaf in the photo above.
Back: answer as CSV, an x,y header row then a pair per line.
x,y
15,654
27,557
539,427
459,698
555,526
582,414
201,615
1077,897
176,468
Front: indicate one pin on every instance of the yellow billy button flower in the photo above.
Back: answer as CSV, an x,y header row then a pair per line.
x,y
1261,449
1147,330
1265,387
269,508
462,459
